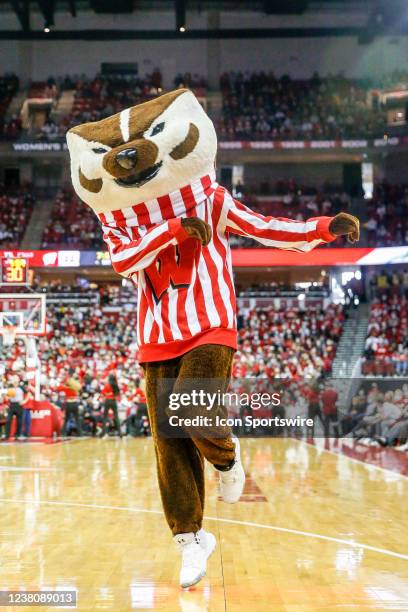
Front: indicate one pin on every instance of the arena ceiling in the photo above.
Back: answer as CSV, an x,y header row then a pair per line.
x,y
380,17
268,6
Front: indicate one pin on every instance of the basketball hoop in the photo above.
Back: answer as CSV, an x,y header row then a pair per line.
x,y
22,315
9,335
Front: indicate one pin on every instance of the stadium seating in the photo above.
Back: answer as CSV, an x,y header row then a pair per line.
x,y
72,224
255,106
69,217
288,342
260,106
378,415
292,205
104,95
100,335
387,223
15,212
386,347
93,331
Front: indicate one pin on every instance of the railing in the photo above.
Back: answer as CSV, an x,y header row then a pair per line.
x,y
71,298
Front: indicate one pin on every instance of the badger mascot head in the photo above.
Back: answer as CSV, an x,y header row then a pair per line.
x,y
143,152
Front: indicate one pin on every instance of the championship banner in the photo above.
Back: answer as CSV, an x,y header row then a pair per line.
x,y
41,147
58,146
258,145
241,258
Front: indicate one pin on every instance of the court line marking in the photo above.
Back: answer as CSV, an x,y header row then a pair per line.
x,y
367,464
306,534
10,468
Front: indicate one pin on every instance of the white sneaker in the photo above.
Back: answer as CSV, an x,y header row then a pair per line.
x,y
403,447
195,549
232,482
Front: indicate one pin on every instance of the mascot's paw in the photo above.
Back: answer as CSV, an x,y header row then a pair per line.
x,y
232,482
344,224
197,228
195,549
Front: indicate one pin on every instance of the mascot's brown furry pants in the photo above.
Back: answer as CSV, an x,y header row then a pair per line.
x,y
180,461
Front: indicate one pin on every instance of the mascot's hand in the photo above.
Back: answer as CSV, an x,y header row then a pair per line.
x,y
344,224
196,228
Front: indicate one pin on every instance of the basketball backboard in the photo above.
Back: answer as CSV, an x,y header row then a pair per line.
x,y
25,312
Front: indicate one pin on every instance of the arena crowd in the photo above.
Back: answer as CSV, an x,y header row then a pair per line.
x,y
255,105
88,343
387,223
16,206
85,345
72,224
378,416
93,99
386,346
262,106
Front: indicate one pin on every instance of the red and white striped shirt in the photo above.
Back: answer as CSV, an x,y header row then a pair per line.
x,y
185,291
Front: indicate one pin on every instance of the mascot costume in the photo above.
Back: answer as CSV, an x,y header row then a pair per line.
x,y
148,172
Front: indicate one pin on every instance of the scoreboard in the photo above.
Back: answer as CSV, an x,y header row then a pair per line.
x,y
14,271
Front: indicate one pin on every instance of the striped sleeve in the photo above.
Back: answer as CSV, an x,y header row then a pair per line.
x,y
130,255
277,232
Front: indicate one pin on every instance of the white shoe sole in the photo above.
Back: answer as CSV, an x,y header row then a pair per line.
x,y
239,465
237,497
212,543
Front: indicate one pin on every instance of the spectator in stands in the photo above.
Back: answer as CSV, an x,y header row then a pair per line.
x,y
288,343
387,335
49,130
90,416
350,421
260,105
387,223
297,204
399,429
107,94
16,206
367,425
390,414
71,224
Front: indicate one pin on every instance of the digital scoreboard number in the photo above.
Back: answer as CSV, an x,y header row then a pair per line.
x,y
14,271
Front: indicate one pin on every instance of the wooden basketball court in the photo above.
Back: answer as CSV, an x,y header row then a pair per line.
x,y
314,531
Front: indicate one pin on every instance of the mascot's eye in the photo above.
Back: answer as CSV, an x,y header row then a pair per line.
x,y
157,129
99,150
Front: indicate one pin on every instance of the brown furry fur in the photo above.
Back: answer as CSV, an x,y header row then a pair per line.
x,y
180,461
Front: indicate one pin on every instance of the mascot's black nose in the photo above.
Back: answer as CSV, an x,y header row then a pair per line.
x,y
127,158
